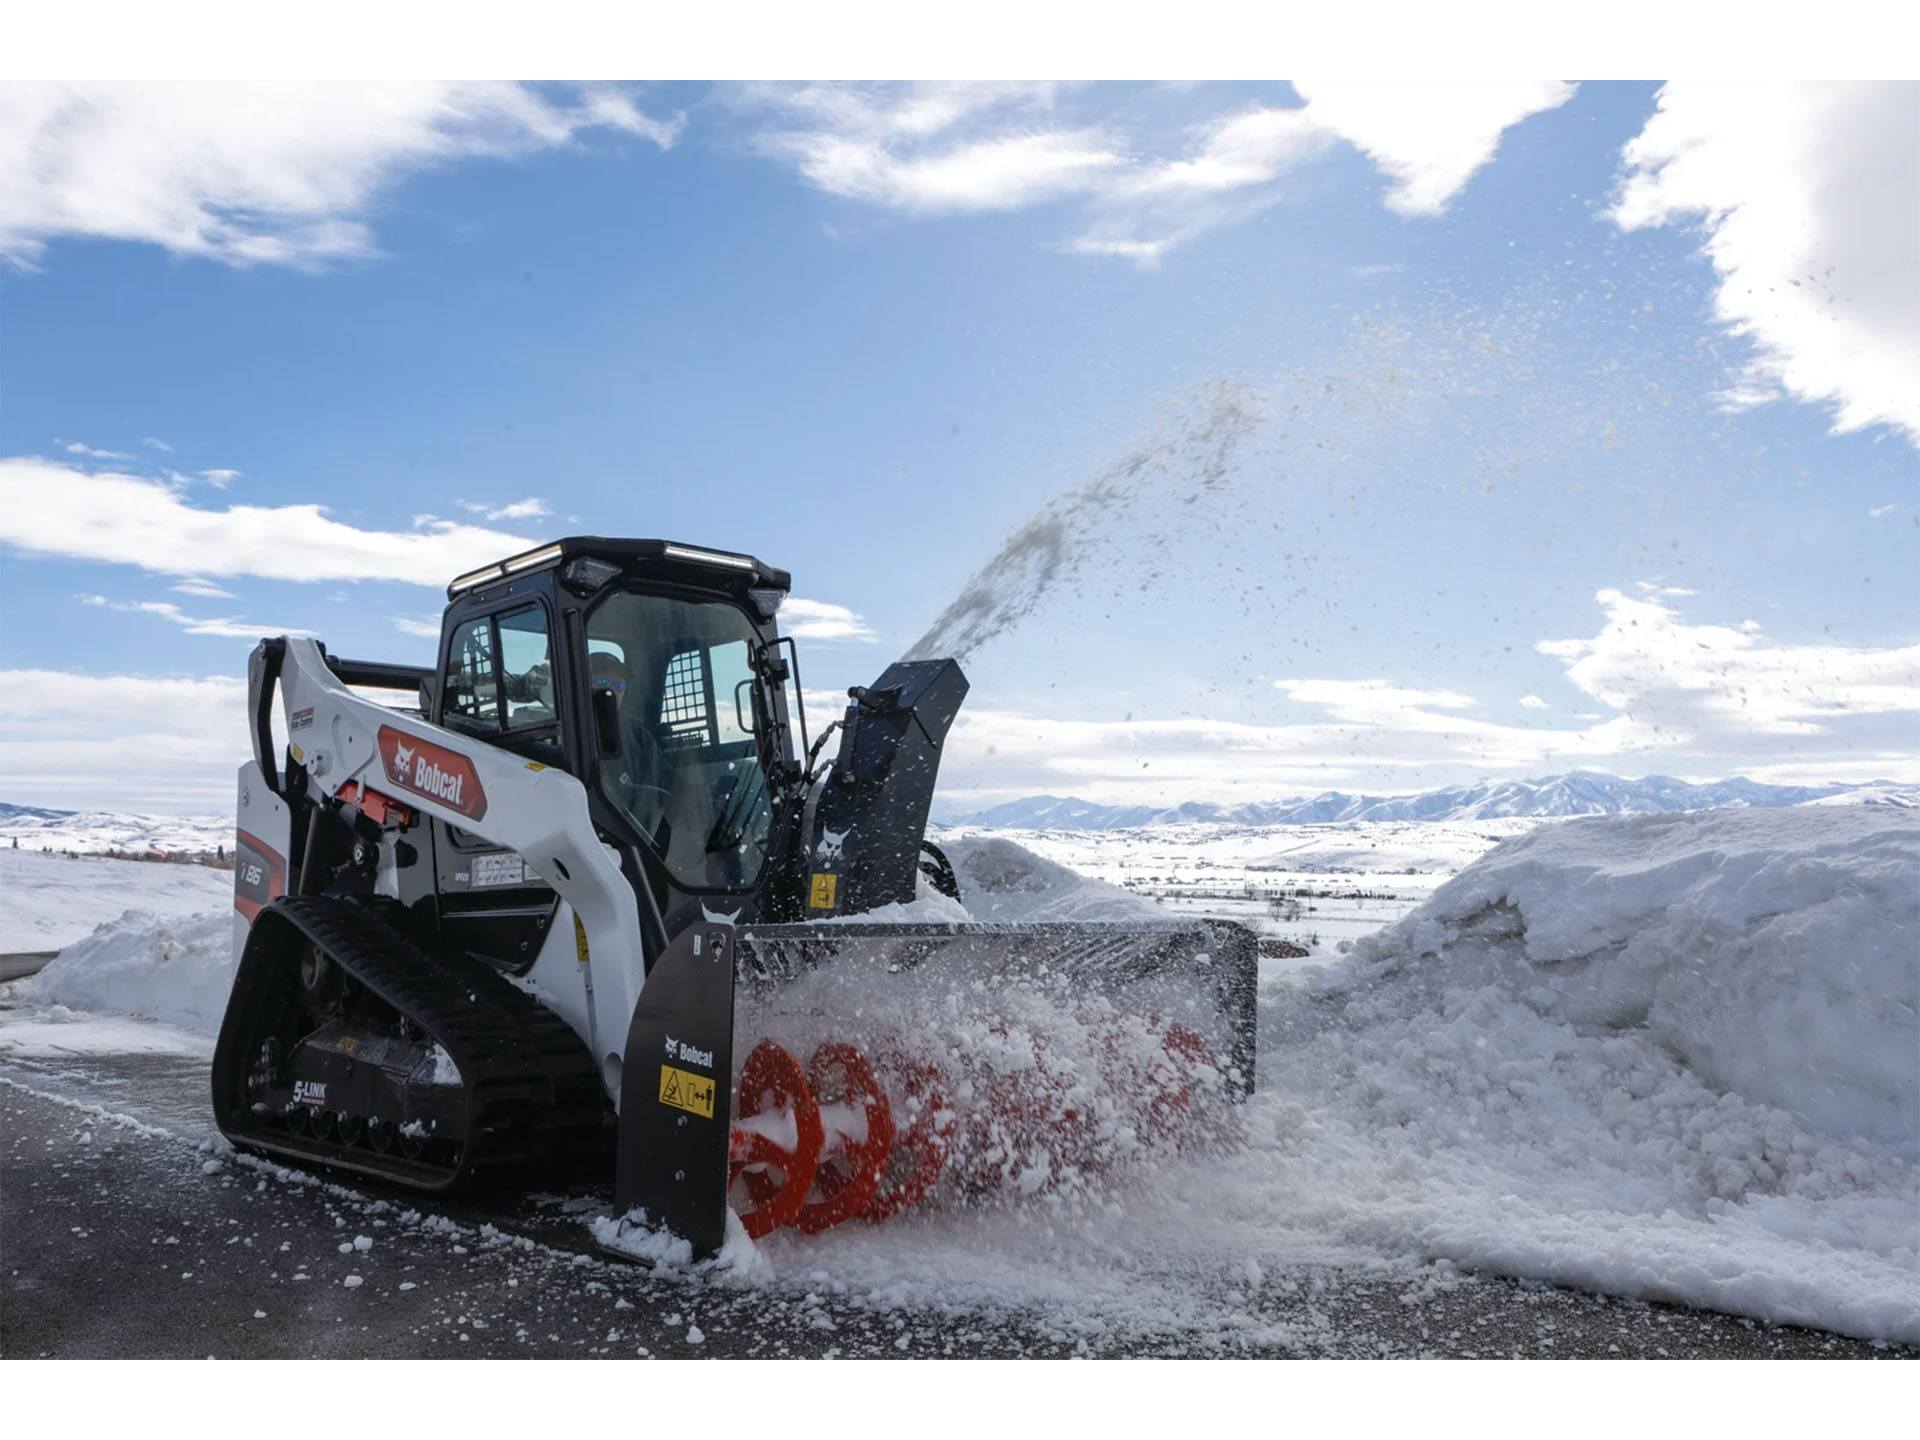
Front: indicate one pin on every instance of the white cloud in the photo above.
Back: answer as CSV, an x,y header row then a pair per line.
x,y
1669,693
264,172
820,620
1880,512
76,448
121,741
528,509
1805,194
153,442
194,585
219,479
1533,702
47,508
943,149
425,627
230,628
921,148
1429,138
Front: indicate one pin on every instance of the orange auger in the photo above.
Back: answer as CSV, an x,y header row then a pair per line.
x,y
847,1137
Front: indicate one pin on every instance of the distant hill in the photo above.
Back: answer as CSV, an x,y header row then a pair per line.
x,y
1578,793
94,832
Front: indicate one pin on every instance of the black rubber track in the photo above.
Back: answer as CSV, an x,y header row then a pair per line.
x,y
534,1103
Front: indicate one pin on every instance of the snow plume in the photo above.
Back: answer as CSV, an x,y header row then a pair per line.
x,y
1805,196
1085,530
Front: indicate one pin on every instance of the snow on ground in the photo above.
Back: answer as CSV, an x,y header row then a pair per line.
x,y
48,901
55,1032
1665,1056
1669,1056
174,969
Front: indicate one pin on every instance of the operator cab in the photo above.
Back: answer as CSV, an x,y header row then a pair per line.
x,y
652,671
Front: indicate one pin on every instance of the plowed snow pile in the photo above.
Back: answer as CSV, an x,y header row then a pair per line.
x,y
1671,1056
177,970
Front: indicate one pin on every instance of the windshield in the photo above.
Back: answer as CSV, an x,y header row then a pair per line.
x,y
687,771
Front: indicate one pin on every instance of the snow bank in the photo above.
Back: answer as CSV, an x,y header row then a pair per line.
x,y
172,969
1005,882
47,901
1672,1056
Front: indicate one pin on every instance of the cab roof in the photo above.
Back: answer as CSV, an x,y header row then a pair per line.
x,y
668,559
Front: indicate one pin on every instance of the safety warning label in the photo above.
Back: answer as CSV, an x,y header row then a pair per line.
x,y
685,1090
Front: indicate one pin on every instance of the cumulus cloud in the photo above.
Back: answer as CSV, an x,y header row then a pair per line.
x,y
944,149
1804,195
821,620
265,172
1428,138
48,508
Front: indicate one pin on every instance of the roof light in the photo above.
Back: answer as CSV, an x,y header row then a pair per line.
x,y
502,568
532,558
710,557
766,600
475,577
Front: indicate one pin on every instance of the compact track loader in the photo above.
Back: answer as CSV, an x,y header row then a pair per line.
x,y
528,928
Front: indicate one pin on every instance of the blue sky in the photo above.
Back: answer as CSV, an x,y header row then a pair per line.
x,y
1434,432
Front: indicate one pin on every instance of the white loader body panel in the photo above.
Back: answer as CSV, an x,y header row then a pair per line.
x,y
591,976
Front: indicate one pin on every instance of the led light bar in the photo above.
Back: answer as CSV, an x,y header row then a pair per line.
x,y
709,557
500,569
531,558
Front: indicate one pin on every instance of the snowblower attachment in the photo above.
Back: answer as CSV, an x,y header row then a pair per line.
x,y
897,1062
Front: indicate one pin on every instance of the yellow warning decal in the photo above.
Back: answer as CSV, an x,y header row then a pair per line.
x,y
685,1090
825,888
579,939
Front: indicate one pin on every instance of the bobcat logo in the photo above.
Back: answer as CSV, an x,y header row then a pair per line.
x,y
402,760
827,852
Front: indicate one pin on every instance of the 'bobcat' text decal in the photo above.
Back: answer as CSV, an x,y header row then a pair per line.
x,y
433,771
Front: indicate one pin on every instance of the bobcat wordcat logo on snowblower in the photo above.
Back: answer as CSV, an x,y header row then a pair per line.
x,y
433,771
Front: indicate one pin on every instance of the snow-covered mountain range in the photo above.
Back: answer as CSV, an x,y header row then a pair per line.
x,y
94,832
1578,793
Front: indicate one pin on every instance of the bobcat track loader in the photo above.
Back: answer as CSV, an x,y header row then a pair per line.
x,y
527,927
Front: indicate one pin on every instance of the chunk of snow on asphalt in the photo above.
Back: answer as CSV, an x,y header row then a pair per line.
x,y
695,1335
48,901
173,969
353,1282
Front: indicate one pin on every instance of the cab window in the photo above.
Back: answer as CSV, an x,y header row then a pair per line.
x,y
499,682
